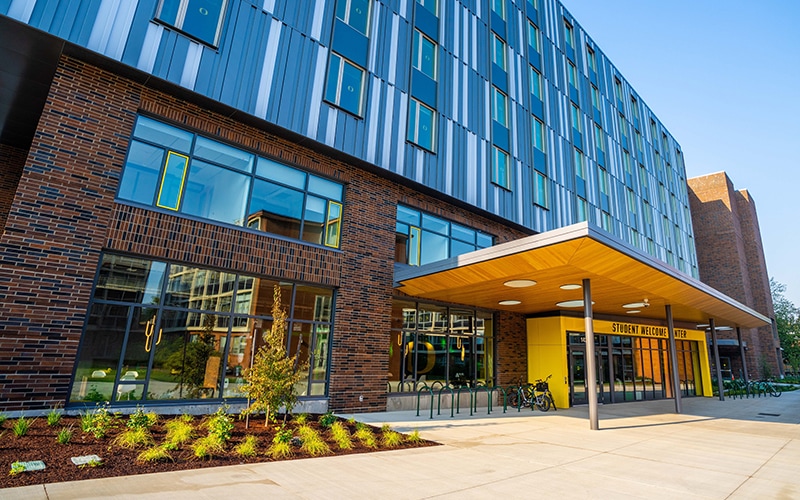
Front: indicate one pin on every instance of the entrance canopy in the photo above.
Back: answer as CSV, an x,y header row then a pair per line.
x,y
623,280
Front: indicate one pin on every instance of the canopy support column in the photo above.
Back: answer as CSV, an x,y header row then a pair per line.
x,y
741,353
718,369
673,357
591,361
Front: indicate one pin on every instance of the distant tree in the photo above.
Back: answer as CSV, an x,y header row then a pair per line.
x,y
270,382
787,319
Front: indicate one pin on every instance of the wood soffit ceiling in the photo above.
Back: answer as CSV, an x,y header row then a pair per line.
x,y
619,275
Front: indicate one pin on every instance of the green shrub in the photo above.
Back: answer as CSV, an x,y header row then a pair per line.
x,y
134,438
98,422
327,419
155,454
220,425
3,419
54,417
301,419
248,447
179,431
313,444
16,468
282,435
413,437
341,435
64,436
141,420
366,436
279,450
207,446
391,439
21,426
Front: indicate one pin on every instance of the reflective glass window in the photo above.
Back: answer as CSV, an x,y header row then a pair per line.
x,y
355,13
141,175
223,154
216,193
276,209
201,19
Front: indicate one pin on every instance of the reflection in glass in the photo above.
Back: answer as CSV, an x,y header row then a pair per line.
x,y
216,193
96,367
275,209
128,279
314,219
141,174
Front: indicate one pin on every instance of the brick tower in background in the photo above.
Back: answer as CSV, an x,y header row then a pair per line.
x,y
730,258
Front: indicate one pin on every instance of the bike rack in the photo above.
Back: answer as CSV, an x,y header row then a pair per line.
x,y
424,387
488,398
505,398
458,402
452,400
516,389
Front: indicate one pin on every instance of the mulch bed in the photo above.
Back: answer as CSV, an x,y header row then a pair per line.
x,y
40,444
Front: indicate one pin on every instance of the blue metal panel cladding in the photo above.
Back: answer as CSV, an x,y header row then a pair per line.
x,y
272,61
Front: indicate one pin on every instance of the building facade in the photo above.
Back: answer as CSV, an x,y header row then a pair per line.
x,y
731,259
167,164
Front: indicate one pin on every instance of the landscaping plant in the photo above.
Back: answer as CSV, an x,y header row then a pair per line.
x,y
248,447
270,381
21,426
53,417
64,436
341,435
313,444
281,446
155,454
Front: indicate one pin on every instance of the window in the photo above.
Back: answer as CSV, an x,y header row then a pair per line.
x,y
605,221
572,74
592,57
623,126
603,181
501,174
201,19
665,144
634,108
431,5
499,52
355,13
643,183
638,136
345,84
536,83
423,54
421,238
569,35
618,89
582,209
176,170
631,198
540,190
538,135
499,107
580,169
421,125
595,98
498,6
598,138
653,134
626,162
533,37
534,3
576,118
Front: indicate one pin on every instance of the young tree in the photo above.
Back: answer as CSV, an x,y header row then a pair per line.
x,y
787,319
270,381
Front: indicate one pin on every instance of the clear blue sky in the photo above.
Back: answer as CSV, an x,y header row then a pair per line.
x,y
724,77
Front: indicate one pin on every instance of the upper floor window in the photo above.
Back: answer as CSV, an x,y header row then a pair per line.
x,y
499,7
569,35
421,238
598,138
533,37
541,197
580,168
653,134
536,83
501,168
431,5
604,184
499,107
618,89
355,13
345,84
499,52
538,135
623,126
534,3
423,54
576,118
634,108
592,57
572,74
595,98
201,19
421,125
183,172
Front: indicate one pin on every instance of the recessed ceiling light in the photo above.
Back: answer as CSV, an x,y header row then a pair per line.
x,y
509,302
519,283
571,303
703,325
634,305
571,286
633,311
723,328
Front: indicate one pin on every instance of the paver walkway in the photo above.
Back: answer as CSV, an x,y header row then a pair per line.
x,y
733,449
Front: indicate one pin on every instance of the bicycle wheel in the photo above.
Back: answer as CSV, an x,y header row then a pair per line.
x,y
552,401
775,390
512,399
543,402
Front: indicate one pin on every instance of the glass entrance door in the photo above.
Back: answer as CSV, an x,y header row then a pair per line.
x,y
577,375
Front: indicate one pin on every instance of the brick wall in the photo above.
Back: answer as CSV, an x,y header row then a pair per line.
x,y
64,215
730,258
12,160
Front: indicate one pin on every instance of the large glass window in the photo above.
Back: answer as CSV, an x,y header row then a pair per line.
x,y
499,8
501,168
422,238
592,58
499,52
355,13
179,171
202,19
453,346
538,135
536,83
431,5
421,125
344,86
499,107
572,75
423,54
158,331
533,37
541,190
576,118
569,35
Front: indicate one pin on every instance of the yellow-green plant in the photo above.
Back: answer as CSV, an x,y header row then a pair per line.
x,y
179,431
391,439
155,454
248,447
281,446
341,435
21,426
134,438
413,437
54,417
141,420
300,419
16,468
327,419
313,444
64,435
207,446
99,421
270,381
366,436
220,424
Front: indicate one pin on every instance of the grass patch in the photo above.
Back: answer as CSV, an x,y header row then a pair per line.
x,y
248,447
64,436
21,426
134,438
155,454
341,435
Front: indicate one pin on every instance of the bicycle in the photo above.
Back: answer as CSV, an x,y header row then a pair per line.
x,y
536,395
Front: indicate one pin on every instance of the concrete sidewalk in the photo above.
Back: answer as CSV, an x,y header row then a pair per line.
x,y
733,449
